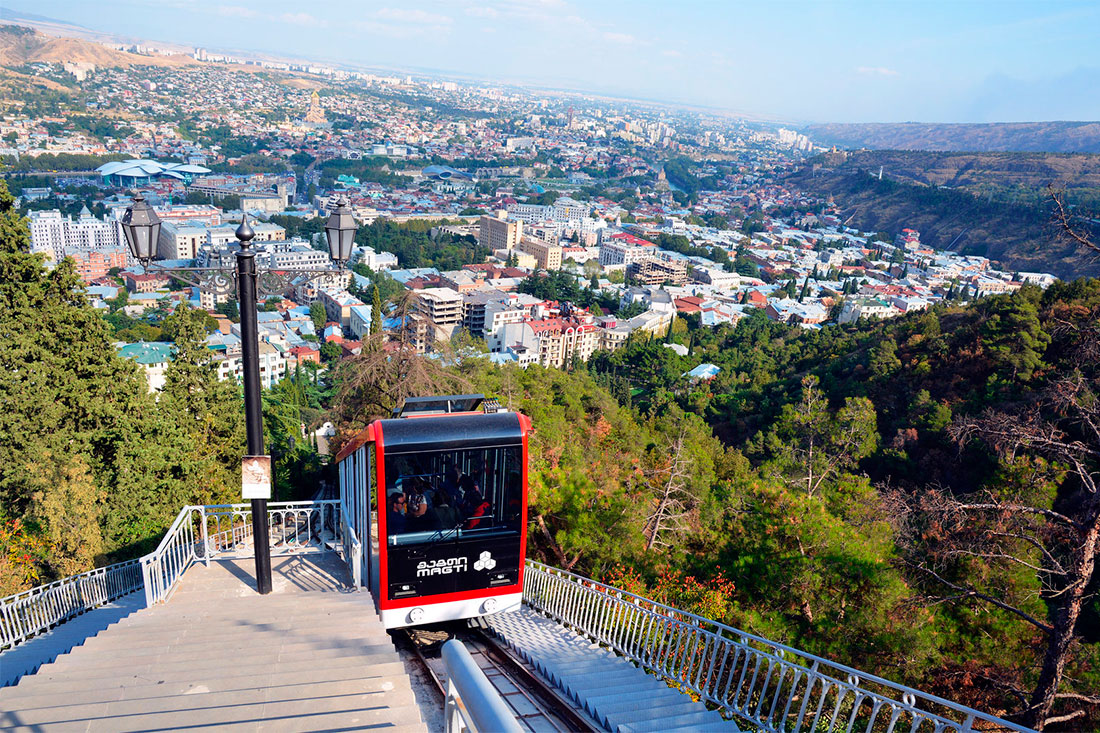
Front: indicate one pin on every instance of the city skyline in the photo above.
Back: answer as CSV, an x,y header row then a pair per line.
x,y
802,61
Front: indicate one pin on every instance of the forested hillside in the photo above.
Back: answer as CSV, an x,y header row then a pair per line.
x,y
878,494
1014,231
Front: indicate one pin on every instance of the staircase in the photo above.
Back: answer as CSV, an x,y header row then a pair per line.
x,y
622,697
311,656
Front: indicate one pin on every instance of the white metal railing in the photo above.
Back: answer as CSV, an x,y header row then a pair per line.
x,y
33,611
162,568
199,533
293,526
202,533
472,703
770,685
352,548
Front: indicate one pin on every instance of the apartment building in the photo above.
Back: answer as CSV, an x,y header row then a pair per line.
x,y
495,233
92,264
338,305
547,256
615,252
436,314
52,233
230,364
180,240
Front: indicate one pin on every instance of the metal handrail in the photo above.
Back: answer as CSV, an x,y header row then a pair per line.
x,y
472,702
773,686
163,567
352,547
206,532
33,611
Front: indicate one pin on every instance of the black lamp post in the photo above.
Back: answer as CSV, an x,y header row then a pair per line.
x,y
141,226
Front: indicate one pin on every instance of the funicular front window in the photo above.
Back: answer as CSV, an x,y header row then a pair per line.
x,y
440,495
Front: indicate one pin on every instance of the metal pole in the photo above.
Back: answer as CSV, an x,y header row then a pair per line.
x,y
254,426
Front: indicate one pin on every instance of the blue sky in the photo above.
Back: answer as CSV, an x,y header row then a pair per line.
x,y
857,61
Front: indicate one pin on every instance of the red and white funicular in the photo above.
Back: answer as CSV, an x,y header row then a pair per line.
x,y
447,480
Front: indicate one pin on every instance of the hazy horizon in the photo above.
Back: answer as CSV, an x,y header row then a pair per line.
x,y
855,61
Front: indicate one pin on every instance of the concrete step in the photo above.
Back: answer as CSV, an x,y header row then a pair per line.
x,y
119,647
265,613
355,711
24,699
180,639
46,682
213,656
365,693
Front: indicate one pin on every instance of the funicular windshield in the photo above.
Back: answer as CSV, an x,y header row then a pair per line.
x,y
434,496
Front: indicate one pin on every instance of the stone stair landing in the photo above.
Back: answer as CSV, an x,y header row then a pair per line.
x,y
310,656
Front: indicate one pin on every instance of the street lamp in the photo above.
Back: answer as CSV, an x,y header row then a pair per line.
x,y
141,226
340,231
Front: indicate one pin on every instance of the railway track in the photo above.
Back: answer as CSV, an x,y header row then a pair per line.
x,y
538,706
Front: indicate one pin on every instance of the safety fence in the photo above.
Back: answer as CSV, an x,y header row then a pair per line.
x,y
768,685
352,549
198,534
33,611
203,533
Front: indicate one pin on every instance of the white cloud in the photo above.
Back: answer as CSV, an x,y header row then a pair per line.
x,y
875,71
671,53
624,38
403,15
236,11
482,11
304,19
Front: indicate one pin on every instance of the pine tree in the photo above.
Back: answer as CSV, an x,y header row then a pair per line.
x,y
72,407
319,316
376,311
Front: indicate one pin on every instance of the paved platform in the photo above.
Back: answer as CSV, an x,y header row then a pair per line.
x,y
311,656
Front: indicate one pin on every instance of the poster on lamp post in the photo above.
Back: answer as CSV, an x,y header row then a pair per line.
x,y
256,477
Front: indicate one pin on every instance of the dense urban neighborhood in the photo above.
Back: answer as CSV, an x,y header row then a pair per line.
x,y
629,217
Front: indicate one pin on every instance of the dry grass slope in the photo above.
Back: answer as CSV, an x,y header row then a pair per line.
x,y
20,46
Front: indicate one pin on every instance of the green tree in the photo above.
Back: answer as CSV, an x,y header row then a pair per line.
x,y
230,310
1012,334
810,445
376,310
318,314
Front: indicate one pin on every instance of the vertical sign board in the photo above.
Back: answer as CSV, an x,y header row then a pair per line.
x,y
256,477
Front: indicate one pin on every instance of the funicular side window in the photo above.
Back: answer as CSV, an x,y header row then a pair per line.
x,y
437,495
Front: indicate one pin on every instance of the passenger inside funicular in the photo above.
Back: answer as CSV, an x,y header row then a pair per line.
x,y
438,494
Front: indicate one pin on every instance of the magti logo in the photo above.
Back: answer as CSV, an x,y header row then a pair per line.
x,y
485,562
441,567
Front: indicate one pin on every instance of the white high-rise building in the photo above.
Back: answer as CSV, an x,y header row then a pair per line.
x,y
52,233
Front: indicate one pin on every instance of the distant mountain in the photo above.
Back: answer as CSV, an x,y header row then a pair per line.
x,y
1052,137
20,45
